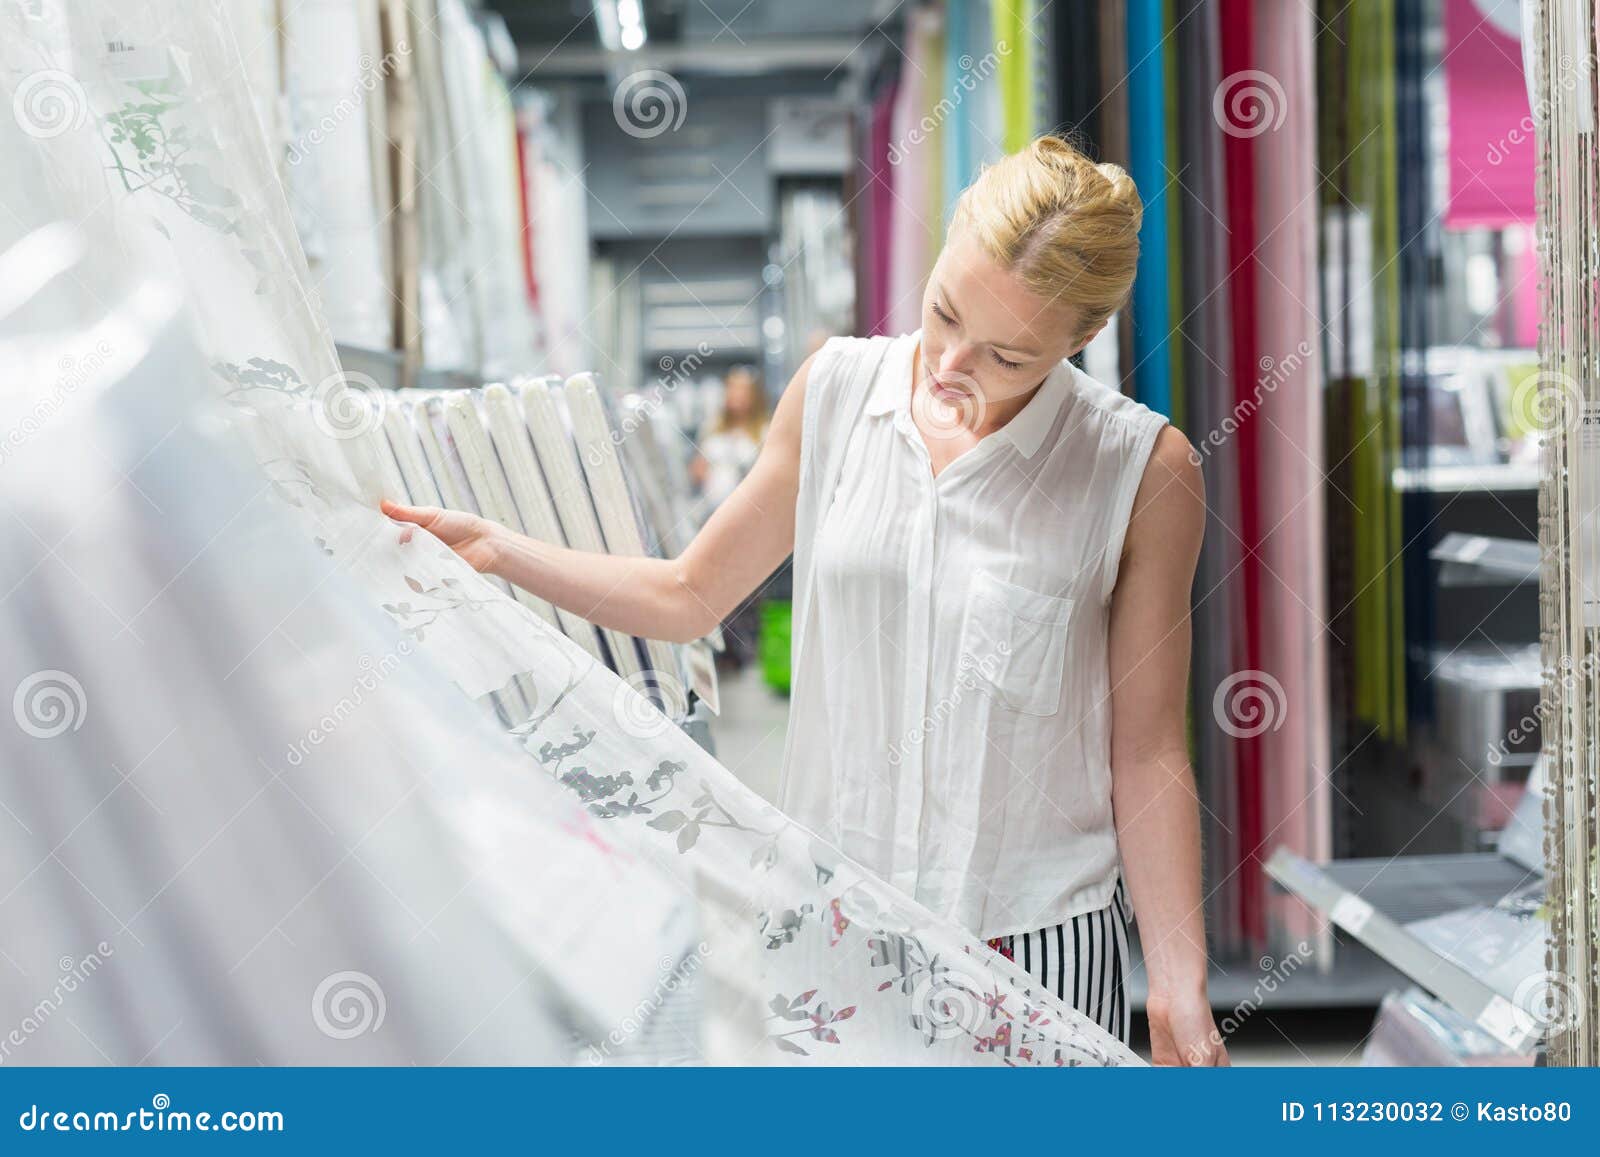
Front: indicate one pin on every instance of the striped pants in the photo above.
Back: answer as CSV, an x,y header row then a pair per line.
x,y
1084,961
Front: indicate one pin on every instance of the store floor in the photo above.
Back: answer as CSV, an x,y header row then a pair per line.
x,y
749,740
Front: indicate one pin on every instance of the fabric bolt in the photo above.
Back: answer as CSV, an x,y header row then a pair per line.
x,y
336,164
647,431
534,511
557,226
481,127
1077,72
816,962
516,699
487,481
619,523
450,317
1148,165
1009,19
1207,338
915,226
359,430
984,788
959,64
881,198
1237,19
573,503
1297,804
409,455
1084,961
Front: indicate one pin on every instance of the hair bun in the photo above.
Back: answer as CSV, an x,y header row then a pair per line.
x,y
1069,227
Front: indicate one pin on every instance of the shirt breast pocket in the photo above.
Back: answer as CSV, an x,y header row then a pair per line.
x,y
1014,643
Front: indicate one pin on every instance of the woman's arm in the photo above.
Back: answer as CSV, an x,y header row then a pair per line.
x,y
1153,790
677,599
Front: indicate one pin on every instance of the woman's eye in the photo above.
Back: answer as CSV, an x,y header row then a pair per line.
x,y
939,313
1002,361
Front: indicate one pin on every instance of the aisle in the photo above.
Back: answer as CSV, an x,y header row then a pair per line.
x,y
749,735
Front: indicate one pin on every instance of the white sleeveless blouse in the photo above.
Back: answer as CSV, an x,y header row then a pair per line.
x,y
950,722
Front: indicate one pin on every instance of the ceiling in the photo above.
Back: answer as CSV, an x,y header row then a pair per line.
x,y
699,35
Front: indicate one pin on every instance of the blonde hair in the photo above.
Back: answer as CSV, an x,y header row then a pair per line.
x,y
1068,227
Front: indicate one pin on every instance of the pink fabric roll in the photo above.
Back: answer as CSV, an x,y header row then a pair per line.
x,y
1292,609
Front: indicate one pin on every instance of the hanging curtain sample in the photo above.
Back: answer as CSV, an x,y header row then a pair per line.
x,y
1559,37
1149,167
1287,388
269,834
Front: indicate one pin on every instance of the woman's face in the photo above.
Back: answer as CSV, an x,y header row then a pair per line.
x,y
739,396
987,338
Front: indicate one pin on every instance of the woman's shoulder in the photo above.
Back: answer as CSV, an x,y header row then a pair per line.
x,y
1107,402
844,353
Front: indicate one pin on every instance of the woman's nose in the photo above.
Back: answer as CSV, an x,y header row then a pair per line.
x,y
956,359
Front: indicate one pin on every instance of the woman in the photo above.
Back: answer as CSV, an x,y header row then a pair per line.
x,y
729,448
993,557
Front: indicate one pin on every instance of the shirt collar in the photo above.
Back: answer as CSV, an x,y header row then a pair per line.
x,y
892,393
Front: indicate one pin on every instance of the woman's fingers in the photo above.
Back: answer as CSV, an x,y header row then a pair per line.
x,y
421,515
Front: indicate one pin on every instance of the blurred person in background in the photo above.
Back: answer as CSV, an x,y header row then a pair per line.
x,y
732,442
727,451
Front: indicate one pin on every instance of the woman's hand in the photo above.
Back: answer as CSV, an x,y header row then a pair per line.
x,y
1183,1033
475,539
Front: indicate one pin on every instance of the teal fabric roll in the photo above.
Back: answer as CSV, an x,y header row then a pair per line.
x,y
1147,138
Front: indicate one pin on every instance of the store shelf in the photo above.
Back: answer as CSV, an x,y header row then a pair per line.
x,y
1372,900
1476,560
1465,479
1407,888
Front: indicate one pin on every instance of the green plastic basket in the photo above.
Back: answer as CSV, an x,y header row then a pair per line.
x,y
772,647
